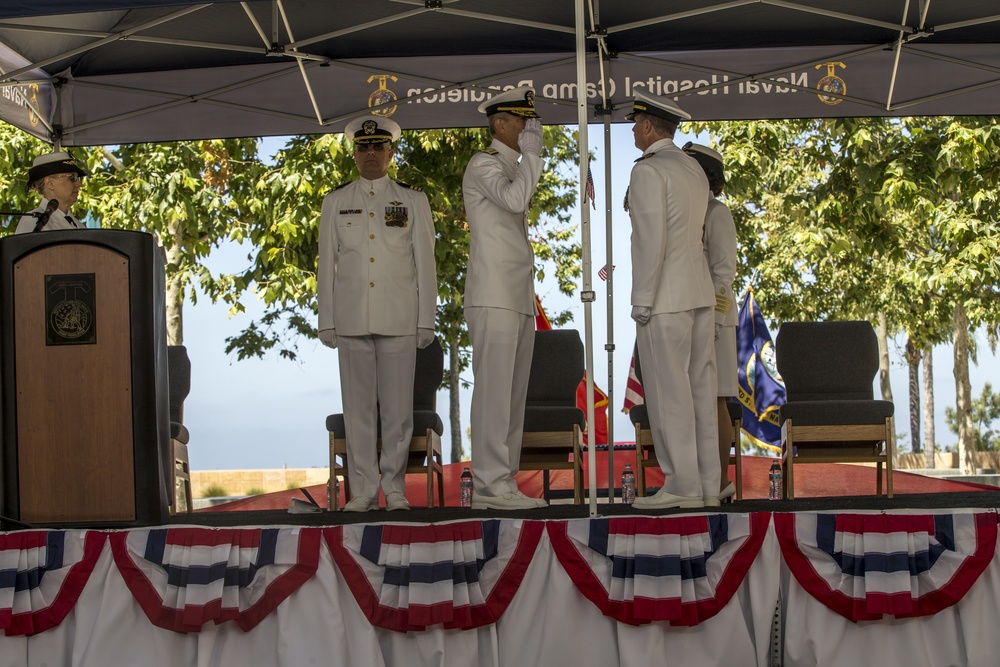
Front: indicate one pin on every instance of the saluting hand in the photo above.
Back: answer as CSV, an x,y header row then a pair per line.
x,y
530,139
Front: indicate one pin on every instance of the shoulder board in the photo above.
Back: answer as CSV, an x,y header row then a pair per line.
x,y
640,159
489,151
415,188
342,185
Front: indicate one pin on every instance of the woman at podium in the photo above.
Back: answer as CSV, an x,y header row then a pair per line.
x,y
57,177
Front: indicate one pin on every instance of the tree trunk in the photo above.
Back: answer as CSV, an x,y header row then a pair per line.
x,y
963,393
883,358
175,289
455,406
929,446
912,355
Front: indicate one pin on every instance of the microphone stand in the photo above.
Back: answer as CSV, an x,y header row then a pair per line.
x,y
35,214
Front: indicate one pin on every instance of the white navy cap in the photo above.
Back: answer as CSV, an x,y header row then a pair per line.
x,y
517,102
61,162
372,130
709,159
657,105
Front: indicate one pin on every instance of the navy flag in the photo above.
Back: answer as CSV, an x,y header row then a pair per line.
x,y
762,390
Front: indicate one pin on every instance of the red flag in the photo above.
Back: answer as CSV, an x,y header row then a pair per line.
x,y
600,398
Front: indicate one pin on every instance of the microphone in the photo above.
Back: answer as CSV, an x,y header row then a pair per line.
x,y
43,217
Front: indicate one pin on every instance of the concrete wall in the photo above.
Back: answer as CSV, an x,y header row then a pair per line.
x,y
241,482
984,460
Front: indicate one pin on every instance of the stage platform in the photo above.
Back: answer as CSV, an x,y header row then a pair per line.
x,y
821,580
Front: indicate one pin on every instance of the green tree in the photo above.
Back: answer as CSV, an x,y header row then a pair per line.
x,y
850,218
282,226
184,194
985,411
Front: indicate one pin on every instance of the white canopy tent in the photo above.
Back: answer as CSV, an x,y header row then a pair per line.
x,y
100,72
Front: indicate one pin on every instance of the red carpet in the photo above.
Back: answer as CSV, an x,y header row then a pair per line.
x,y
811,481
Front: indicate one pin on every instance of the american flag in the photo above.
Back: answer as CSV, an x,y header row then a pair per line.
x,y
633,388
590,188
603,273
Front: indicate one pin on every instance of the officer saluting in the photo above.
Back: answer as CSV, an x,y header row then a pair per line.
x,y
500,293
377,291
673,306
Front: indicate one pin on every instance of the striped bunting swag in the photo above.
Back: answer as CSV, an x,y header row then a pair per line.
x,y
185,577
409,577
683,570
866,566
42,574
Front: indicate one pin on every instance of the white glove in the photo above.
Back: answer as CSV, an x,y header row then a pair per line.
x,y
424,338
641,314
328,337
718,329
530,139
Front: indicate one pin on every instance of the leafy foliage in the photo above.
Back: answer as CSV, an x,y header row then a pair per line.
x,y
985,411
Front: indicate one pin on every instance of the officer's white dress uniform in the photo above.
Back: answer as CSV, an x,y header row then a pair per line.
x,y
57,221
720,251
499,309
376,286
58,163
667,201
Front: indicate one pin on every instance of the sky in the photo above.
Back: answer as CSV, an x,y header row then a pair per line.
x,y
271,412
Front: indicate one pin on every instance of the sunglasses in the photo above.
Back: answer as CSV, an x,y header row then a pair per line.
x,y
72,178
377,148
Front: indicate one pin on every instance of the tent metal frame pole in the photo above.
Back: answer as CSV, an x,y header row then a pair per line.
x,y
609,263
603,62
586,294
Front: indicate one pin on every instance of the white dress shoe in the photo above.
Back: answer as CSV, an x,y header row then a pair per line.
x,y
728,492
512,500
512,485
361,504
664,500
396,501
711,501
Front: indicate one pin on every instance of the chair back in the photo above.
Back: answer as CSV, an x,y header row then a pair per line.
x,y
179,380
427,376
557,367
824,361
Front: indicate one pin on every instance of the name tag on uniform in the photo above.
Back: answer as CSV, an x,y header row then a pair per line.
x,y
396,214
350,211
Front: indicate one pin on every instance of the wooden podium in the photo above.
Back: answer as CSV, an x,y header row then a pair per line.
x,y
84,425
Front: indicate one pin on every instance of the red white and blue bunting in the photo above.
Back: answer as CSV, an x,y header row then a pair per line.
x,y
460,575
866,566
678,569
185,577
42,574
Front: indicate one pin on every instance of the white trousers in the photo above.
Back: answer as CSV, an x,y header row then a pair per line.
x,y
677,353
502,344
377,372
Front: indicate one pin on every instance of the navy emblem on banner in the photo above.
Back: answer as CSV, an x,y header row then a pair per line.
x,y
69,309
831,83
382,101
396,215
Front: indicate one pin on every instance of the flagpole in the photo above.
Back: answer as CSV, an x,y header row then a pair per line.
x,y
587,293
610,270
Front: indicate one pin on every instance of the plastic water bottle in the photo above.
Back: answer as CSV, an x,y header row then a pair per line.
x,y
628,485
333,494
465,488
774,481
